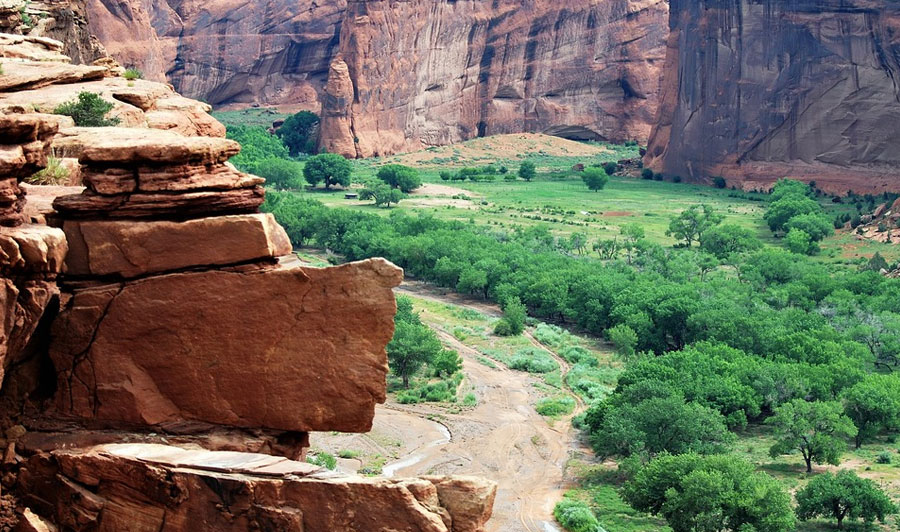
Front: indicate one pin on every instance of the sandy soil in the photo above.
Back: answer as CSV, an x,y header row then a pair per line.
x,y
502,438
500,147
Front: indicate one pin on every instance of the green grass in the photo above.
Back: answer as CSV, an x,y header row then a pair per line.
x,y
559,200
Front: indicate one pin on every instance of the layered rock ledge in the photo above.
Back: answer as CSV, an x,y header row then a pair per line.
x,y
156,487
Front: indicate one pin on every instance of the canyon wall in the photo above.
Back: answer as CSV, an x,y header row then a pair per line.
x,y
756,90
418,73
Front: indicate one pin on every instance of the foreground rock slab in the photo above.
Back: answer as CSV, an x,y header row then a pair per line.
x,y
162,488
129,249
292,348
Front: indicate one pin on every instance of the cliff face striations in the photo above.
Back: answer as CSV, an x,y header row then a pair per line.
x,y
420,73
417,72
271,52
757,90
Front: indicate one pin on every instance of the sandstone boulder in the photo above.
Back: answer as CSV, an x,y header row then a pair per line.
x,y
32,75
31,48
297,349
31,256
129,249
155,487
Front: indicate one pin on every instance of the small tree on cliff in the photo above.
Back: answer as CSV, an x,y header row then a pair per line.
x,y
328,168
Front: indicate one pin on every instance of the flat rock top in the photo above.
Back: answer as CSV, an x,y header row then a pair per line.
x,y
219,461
134,145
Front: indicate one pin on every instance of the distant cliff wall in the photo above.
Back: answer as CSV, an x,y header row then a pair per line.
x,y
754,90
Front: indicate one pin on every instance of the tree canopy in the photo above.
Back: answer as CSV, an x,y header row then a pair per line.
x,y
329,168
299,132
817,429
527,170
693,222
399,176
843,496
595,178
710,494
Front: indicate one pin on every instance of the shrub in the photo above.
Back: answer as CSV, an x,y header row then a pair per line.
x,y
445,175
555,406
533,361
576,516
527,170
575,354
514,313
658,177
348,454
53,174
503,328
883,458
132,74
610,168
509,177
719,182
676,179
647,173
323,459
504,170
89,110
470,399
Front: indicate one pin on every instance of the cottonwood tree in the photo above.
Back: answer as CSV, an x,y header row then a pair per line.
x,y
413,346
298,132
710,494
399,176
817,429
607,249
595,178
382,194
874,405
328,168
632,235
843,496
693,222
725,239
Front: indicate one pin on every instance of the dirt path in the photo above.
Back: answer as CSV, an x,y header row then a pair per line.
x,y
502,438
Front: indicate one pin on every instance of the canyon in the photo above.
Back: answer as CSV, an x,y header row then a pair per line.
x,y
750,91
164,355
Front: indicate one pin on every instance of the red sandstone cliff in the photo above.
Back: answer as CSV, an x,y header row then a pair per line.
x,y
420,72
756,91
424,73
